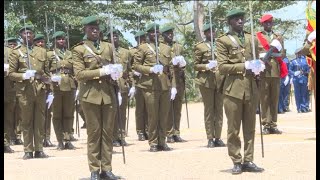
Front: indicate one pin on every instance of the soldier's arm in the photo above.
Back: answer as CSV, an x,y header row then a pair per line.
x,y
80,71
198,66
224,65
130,74
138,60
14,75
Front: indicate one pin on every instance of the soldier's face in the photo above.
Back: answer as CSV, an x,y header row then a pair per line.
x,y
267,26
152,35
207,34
168,36
116,39
12,44
60,42
237,23
40,43
92,32
27,35
142,39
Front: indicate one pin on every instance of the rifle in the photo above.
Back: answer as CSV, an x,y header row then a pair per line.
x,y
116,87
77,118
257,79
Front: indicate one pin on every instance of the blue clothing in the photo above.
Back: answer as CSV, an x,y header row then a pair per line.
x,y
284,91
300,82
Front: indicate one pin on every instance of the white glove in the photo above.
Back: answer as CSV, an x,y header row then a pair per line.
x,y
256,66
286,81
6,67
296,73
173,93
276,43
115,75
131,92
175,60
182,62
56,78
158,68
119,98
248,65
291,81
312,36
116,71
28,74
105,70
212,64
136,73
49,99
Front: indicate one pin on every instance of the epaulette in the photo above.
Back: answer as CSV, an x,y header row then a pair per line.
x,y
223,34
80,43
198,43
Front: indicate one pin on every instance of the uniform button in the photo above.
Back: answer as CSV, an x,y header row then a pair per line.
x,y
100,81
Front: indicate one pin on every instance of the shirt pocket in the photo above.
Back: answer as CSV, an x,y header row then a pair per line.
x,y
235,55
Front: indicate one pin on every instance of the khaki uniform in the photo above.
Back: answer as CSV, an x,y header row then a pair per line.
x,y
209,82
155,89
98,100
31,93
63,105
173,126
123,57
240,93
270,87
9,103
141,114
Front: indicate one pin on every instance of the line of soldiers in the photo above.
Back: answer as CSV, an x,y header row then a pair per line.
x,y
101,75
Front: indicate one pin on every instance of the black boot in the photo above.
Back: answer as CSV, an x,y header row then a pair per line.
x,y
210,143
60,146
95,175
108,175
27,155
141,137
7,149
69,145
40,154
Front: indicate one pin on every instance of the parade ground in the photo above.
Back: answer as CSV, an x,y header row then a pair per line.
x,y
289,156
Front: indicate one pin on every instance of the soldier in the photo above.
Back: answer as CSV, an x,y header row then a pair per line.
x,y
209,81
29,69
283,105
64,89
9,97
173,126
155,84
141,109
270,79
39,41
299,71
92,61
240,90
123,57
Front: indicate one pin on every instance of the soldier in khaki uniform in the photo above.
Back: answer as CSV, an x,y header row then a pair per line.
x,y
240,90
9,97
30,73
270,81
64,88
141,109
173,126
155,84
39,41
123,57
92,59
209,79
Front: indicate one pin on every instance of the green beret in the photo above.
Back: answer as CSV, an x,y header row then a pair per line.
x,y
90,20
139,33
38,37
166,28
27,26
114,31
150,27
58,34
207,27
10,39
235,12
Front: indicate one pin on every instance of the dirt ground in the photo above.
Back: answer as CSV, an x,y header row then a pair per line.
x,y
291,155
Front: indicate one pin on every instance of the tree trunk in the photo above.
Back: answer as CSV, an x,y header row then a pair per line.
x,y
198,19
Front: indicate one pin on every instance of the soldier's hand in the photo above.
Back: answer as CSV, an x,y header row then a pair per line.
x,y
136,73
286,81
297,73
211,64
28,74
105,70
132,92
49,99
6,67
56,78
276,43
173,93
119,98
312,36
